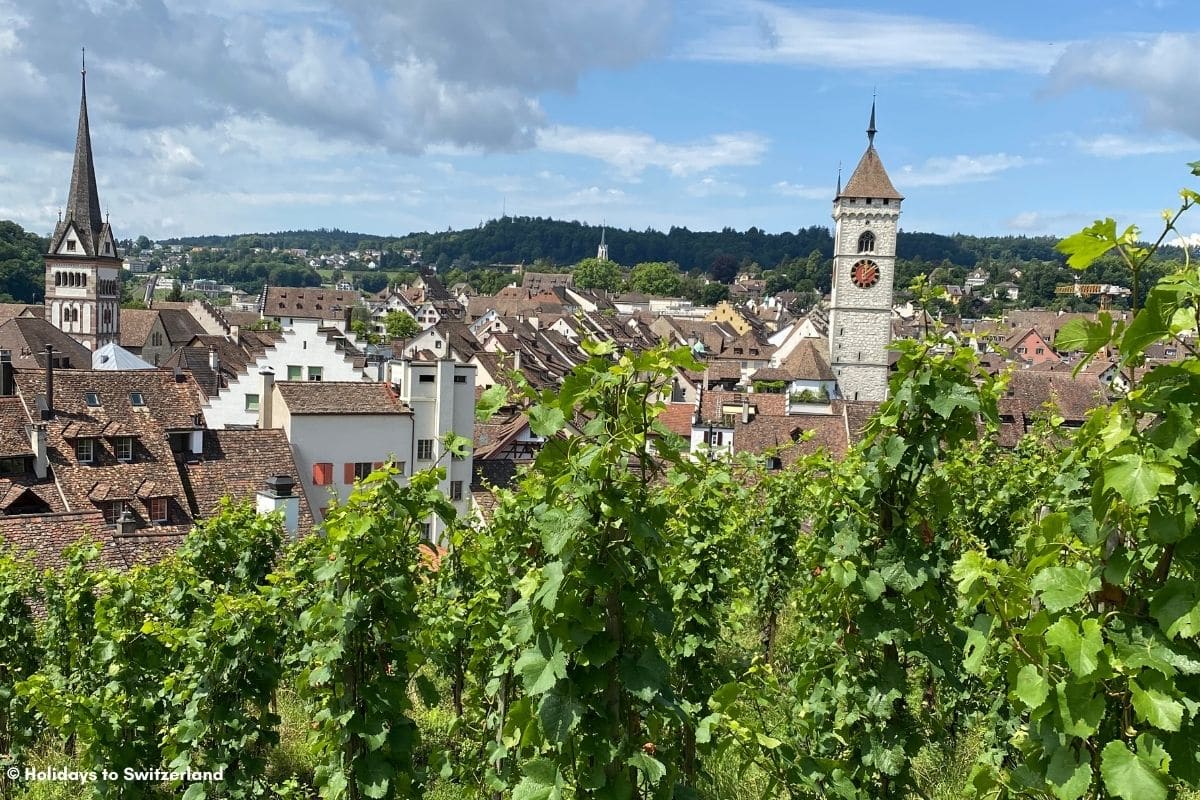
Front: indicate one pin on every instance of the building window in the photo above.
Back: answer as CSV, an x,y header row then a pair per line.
x,y
156,339
427,379
252,402
322,474
713,438
12,466
70,245
158,509
362,469
401,465
866,242
456,490
137,400
424,449
1040,350
295,373
427,531
124,448
84,451
113,511
460,378
92,399
314,373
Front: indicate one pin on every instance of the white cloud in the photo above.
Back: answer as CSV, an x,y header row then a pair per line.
x,y
464,73
755,31
788,189
632,152
1159,72
1188,240
1113,145
947,171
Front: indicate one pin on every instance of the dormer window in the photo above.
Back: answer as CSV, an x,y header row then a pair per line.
x,y
123,447
85,451
137,400
70,245
92,399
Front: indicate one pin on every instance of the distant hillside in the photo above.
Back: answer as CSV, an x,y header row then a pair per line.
x,y
22,271
514,240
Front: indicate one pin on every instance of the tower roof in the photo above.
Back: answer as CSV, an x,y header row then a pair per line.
x,y
83,199
870,179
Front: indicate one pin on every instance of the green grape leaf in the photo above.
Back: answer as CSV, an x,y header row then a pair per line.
x,y
1063,587
1085,335
1082,248
546,420
1129,777
1176,606
1032,689
1135,479
539,782
1080,708
649,766
1156,707
490,402
540,670
559,715
1069,773
1081,648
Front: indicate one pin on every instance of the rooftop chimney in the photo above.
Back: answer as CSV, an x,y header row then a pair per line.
x,y
127,524
275,496
37,442
266,400
49,412
7,385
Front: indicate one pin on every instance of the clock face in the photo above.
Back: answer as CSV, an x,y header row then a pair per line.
x,y
865,274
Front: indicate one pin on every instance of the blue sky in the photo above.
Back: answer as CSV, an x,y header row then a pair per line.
x,y
250,115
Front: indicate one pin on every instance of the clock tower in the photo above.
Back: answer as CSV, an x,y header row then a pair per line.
x,y
866,214
83,271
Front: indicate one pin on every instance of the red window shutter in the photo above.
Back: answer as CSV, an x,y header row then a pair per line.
x,y
316,478
322,473
348,472
377,465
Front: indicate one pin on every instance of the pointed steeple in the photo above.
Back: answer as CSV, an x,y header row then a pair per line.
x,y
83,200
871,126
869,178
602,250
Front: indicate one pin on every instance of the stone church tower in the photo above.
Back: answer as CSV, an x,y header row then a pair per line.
x,y
866,213
83,286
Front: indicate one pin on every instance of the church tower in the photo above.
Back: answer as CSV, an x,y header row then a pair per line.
x,y
83,287
602,250
866,215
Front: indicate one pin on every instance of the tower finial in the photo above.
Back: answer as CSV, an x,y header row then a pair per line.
x,y
839,189
871,126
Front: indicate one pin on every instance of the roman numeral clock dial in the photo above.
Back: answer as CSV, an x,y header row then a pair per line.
x,y
865,273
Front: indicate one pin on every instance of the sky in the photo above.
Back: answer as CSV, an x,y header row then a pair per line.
x,y
386,117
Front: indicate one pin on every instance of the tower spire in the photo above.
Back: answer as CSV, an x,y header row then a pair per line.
x,y
871,127
83,199
839,189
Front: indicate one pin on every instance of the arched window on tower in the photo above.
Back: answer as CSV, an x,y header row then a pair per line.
x,y
866,242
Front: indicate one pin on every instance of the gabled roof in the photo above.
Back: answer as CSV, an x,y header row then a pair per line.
x,y
27,338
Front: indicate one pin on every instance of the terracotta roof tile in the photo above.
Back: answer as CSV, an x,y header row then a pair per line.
x,y
339,397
